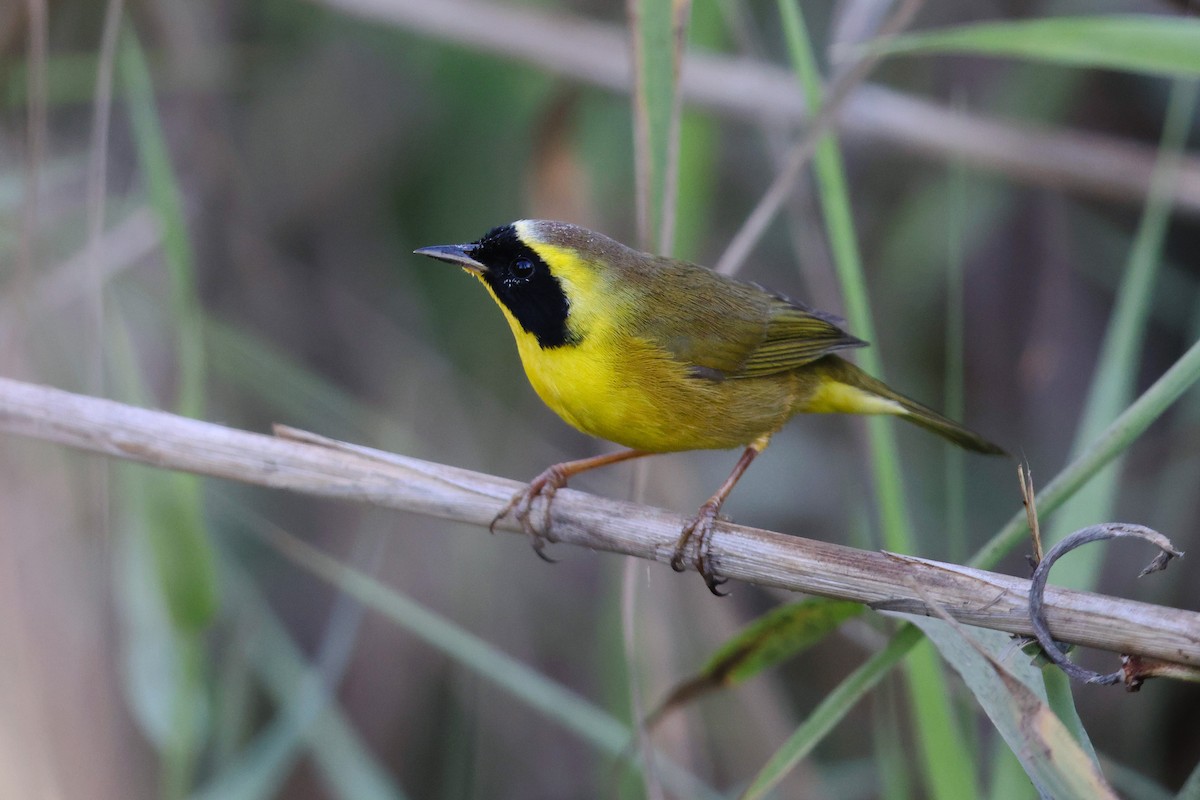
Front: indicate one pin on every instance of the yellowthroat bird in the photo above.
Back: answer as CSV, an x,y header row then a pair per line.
x,y
661,355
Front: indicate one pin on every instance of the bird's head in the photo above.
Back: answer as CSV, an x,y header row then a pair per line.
x,y
544,274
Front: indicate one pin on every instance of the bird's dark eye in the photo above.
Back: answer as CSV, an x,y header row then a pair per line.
x,y
522,268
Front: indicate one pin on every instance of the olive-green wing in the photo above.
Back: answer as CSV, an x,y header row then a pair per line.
x,y
794,337
729,329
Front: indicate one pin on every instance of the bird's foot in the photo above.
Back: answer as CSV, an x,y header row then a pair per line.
x,y
700,530
544,486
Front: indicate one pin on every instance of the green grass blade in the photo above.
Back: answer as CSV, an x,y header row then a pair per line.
x,y
548,697
948,764
896,775
1191,787
1131,783
293,392
1113,383
1154,45
769,640
1008,780
659,32
551,699
168,591
699,151
1062,702
1011,698
166,199
186,558
955,396
1116,372
167,507
839,223
183,555
344,760
1107,446
261,767
778,635
156,658
947,759
831,711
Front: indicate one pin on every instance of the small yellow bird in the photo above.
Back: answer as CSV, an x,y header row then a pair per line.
x,y
661,355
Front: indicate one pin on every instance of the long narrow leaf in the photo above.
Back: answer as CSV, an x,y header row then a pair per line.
x,y
831,711
166,199
1062,702
555,701
658,30
1051,756
948,763
839,224
168,589
1156,45
1113,383
185,557
1107,446
339,753
1191,787
772,638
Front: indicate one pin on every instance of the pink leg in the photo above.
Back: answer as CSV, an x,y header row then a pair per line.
x,y
701,526
545,486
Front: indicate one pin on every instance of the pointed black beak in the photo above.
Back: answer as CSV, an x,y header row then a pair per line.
x,y
459,254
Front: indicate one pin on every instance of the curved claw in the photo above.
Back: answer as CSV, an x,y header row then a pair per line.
x,y
713,582
537,538
545,486
539,549
521,505
704,564
700,529
685,536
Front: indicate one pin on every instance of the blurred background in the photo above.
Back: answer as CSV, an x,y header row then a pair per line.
x,y
209,208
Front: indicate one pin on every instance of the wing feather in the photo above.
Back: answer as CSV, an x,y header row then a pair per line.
x,y
727,329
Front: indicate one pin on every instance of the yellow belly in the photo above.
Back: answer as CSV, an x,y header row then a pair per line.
x,y
633,393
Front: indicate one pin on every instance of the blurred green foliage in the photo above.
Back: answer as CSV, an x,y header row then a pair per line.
x,y
293,154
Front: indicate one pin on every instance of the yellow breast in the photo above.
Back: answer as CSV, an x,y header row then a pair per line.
x,y
626,391
630,391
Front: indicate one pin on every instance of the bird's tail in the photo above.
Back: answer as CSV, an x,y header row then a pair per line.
x,y
846,388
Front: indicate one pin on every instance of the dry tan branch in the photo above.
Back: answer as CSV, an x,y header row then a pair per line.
x,y
596,53
329,469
